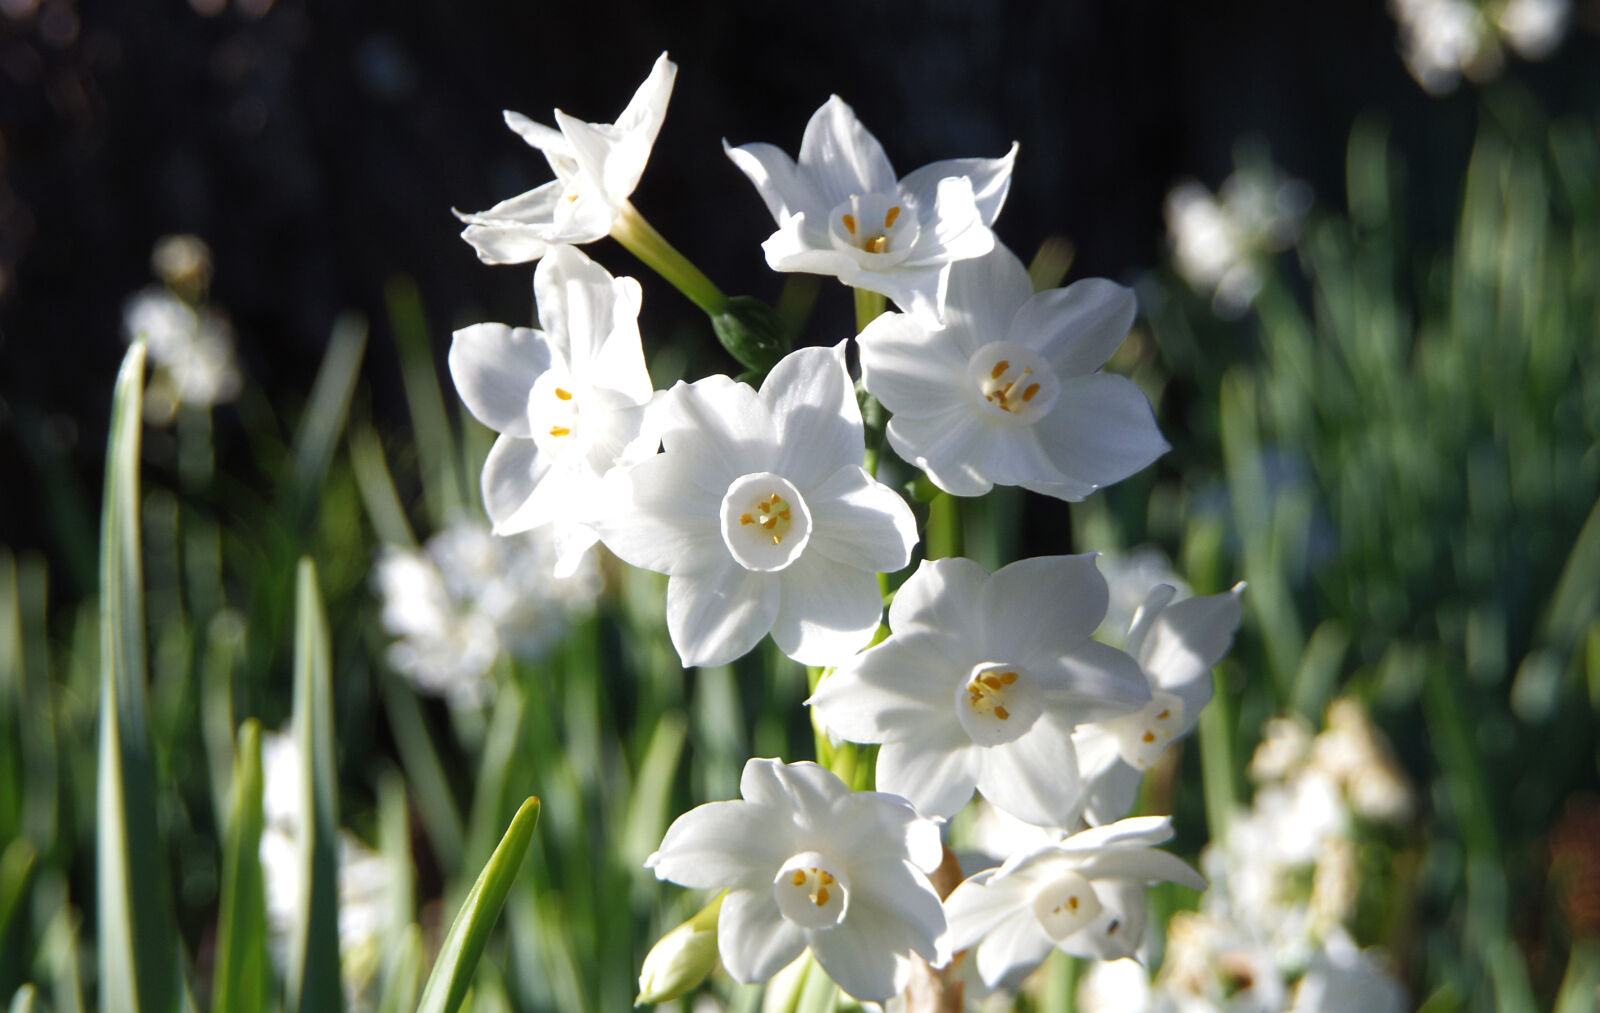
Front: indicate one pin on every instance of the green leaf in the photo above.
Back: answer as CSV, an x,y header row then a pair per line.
x,y
326,410
25,1000
404,974
458,957
241,972
137,941
313,971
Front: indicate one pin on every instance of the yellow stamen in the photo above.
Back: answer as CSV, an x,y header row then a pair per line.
x,y
746,519
999,367
827,879
888,219
1002,714
565,395
1032,390
1149,736
877,244
1007,678
822,896
799,878
560,431
850,223
1164,714
572,198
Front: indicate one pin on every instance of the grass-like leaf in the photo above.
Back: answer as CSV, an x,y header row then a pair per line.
x,y
138,957
313,971
458,957
241,973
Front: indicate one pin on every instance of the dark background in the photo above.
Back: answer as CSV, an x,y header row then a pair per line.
x,y
319,147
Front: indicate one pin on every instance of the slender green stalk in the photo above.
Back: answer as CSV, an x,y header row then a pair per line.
x,y
641,239
869,307
944,527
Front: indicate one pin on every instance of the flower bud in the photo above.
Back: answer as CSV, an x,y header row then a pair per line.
x,y
751,330
682,958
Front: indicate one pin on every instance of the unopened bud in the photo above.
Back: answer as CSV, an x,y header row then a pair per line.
x,y
751,331
682,958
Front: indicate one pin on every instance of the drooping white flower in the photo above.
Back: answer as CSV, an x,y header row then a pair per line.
x,y
981,684
1084,896
1176,644
810,864
760,512
1009,391
568,400
469,594
841,210
597,166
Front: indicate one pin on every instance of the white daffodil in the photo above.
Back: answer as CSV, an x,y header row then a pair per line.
x,y
1084,896
1177,645
1009,390
760,512
841,211
568,400
981,684
809,863
597,166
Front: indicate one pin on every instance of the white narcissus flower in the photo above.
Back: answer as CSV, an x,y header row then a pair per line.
x,y
568,400
841,211
597,166
762,516
981,683
1176,645
1084,896
1009,391
810,864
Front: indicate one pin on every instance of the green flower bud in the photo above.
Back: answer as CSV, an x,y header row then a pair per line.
x,y
682,958
752,331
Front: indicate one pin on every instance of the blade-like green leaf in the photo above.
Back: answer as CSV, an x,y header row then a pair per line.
x,y
241,973
458,957
25,1000
404,973
327,408
138,955
313,971
16,868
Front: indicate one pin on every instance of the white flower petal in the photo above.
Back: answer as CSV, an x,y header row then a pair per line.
x,y
785,189
816,421
942,598
908,369
723,844
801,245
716,616
1016,458
809,790
1077,328
1094,682
659,516
1117,930
1012,950
565,491
978,906
1054,601
862,955
880,692
861,522
717,427
990,179
984,296
494,367
1145,865
827,610
1101,430
506,242
1035,777
577,303
1110,793
1185,641
639,123
546,139
510,474
947,447
917,288
1135,831
753,938
957,232
842,156
937,770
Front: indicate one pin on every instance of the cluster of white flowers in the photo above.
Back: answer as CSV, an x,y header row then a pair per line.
x,y
756,504
1273,930
1221,242
457,603
190,344
1442,40
366,879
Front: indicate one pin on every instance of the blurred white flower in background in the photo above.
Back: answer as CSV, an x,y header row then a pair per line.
x,y
1534,28
191,345
1221,243
1129,577
454,605
1443,40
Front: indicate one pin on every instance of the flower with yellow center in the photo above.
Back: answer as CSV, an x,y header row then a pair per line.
x,y
841,210
1176,644
1083,896
568,401
762,516
981,683
809,863
1009,390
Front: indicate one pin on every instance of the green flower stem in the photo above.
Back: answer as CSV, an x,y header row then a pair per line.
x,y
869,306
650,246
944,539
